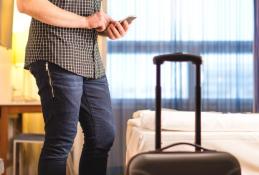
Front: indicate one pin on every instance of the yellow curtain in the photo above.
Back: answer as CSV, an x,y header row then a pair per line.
x,y
6,16
22,80
25,89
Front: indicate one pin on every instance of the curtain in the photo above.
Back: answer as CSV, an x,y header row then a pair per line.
x,y
6,19
221,31
24,89
256,55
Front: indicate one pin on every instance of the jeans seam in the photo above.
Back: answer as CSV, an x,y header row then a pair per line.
x,y
91,118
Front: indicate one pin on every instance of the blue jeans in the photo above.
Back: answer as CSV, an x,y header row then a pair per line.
x,y
67,98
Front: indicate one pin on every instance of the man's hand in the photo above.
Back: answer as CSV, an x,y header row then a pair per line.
x,y
117,30
98,21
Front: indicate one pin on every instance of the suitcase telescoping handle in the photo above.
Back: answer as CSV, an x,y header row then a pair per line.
x,y
178,57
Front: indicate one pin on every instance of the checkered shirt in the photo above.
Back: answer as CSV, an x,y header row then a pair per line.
x,y
73,49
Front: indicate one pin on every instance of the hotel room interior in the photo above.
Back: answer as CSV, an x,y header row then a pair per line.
x,y
224,32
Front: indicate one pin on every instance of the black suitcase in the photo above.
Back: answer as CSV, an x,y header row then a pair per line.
x,y
202,161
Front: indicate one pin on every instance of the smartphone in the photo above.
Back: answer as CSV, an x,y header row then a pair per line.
x,y
129,19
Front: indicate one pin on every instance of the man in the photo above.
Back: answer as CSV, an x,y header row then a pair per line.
x,y
62,54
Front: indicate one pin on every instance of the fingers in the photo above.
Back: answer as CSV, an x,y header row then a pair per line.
x,y
99,21
106,18
101,29
113,32
110,33
103,22
125,25
117,30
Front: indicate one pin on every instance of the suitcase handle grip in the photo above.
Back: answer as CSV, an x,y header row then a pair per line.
x,y
178,57
185,143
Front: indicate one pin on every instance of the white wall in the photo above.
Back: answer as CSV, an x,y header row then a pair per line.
x,y
5,75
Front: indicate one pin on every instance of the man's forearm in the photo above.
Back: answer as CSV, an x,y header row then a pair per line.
x,y
48,13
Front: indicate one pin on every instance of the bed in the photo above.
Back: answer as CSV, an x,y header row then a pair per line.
x,y
234,133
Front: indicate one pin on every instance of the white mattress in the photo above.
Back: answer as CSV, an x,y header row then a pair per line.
x,y
242,144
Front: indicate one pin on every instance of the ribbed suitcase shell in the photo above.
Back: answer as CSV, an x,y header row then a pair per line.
x,y
200,162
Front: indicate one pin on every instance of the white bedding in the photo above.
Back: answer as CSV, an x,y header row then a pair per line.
x,y
211,121
243,142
